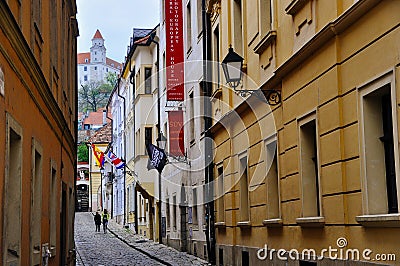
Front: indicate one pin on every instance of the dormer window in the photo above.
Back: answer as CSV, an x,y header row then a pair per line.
x,y
86,60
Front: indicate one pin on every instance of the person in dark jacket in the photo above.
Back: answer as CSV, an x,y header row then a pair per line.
x,y
106,217
97,221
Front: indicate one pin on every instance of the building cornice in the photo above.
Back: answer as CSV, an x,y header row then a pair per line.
x,y
326,34
18,42
332,29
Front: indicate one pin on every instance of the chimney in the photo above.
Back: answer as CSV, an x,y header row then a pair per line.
x,y
104,117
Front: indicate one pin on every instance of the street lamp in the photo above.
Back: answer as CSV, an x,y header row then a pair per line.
x,y
161,141
101,186
232,66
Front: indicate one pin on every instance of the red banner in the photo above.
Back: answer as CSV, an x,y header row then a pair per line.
x,y
176,145
174,50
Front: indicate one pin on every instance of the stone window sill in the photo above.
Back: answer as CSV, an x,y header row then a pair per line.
x,y
311,221
244,224
220,224
295,6
273,222
265,41
379,220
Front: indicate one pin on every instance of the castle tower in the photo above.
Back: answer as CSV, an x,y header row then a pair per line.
x,y
98,50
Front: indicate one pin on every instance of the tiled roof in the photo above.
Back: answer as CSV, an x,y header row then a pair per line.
x,y
82,57
102,135
97,35
142,40
140,33
113,63
96,118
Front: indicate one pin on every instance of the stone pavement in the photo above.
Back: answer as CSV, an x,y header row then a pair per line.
x,y
120,246
103,249
164,254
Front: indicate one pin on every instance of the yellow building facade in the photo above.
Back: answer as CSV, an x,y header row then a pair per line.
x,y
320,170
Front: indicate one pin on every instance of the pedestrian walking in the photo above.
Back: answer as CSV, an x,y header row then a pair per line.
x,y
97,221
106,217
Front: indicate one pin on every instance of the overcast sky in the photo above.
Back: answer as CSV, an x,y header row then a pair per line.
x,y
115,19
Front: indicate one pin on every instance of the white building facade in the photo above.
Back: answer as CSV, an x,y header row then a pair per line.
x,y
183,179
116,104
135,117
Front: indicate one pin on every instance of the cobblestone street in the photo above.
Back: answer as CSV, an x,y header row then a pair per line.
x,y
120,247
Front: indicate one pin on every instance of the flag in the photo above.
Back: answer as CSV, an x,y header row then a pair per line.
x,y
117,162
149,165
157,156
98,155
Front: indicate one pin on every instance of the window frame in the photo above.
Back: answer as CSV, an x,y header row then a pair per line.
x,y
363,91
313,220
272,221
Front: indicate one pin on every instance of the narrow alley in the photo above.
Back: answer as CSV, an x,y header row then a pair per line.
x,y
120,247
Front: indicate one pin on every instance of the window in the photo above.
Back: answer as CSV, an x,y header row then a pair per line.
x,y
37,13
12,194
272,180
174,212
199,18
95,68
168,213
86,126
237,30
85,68
85,78
266,17
245,258
220,195
244,190
379,151
137,144
191,118
128,196
36,203
194,214
147,81
216,55
309,167
146,209
106,69
137,82
148,137
53,208
54,18
86,60
188,27
221,257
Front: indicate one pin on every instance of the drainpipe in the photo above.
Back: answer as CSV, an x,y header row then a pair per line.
x,y
123,98
159,136
208,172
